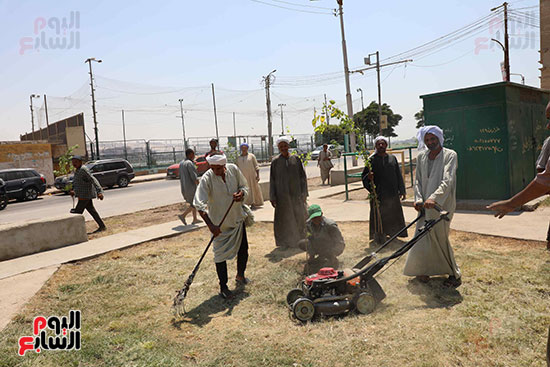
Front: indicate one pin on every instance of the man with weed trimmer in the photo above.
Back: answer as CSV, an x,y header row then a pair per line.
x,y
435,186
222,185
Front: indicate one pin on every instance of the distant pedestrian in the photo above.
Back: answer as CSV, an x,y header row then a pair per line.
x,y
220,185
324,163
86,188
188,182
248,165
435,185
288,194
213,148
390,187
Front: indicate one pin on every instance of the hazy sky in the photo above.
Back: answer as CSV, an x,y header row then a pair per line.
x,y
156,52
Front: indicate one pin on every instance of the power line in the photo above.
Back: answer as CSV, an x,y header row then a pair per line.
x,y
293,9
302,5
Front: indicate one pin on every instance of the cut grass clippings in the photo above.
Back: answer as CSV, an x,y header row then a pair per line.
x,y
498,317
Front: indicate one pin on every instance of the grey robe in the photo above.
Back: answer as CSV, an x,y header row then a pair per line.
x,y
216,195
188,180
433,254
288,189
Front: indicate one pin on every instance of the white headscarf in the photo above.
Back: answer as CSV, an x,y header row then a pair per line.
x,y
285,139
430,129
216,159
380,137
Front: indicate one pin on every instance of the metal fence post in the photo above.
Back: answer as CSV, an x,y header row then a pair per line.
x,y
411,166
346,177
148,153
174,153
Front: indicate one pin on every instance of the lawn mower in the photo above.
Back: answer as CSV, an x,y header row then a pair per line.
x,y
332,292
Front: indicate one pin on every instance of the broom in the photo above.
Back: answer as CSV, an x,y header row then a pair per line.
x,y
178,306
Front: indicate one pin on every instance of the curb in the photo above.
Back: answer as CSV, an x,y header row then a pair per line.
x,y
54,192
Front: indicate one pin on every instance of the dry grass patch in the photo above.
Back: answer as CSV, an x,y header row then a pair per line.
x,y
498,317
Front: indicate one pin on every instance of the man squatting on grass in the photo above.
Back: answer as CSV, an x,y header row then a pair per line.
x,y
435,185
86,187
218,187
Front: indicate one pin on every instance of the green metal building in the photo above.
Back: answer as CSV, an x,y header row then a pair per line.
x,y
497,130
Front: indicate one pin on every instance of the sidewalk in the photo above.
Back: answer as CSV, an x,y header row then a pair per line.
x,y
21,278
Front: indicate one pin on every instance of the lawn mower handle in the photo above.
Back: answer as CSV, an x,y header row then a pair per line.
x,y
371,270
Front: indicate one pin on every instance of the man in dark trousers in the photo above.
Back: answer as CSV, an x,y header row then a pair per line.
x,y
389,189
86,188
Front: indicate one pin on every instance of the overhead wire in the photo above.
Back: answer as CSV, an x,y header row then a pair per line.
x,y
292,9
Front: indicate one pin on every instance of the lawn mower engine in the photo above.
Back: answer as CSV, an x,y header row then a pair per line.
x,y
333,292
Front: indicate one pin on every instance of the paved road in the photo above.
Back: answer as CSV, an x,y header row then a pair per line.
x,y
139,196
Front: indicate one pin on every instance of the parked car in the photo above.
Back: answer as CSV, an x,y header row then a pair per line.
x,y
333,149
109,172
174,170
3,196
23,183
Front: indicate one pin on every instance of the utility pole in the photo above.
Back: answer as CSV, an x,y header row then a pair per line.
x,y
215,114
282,121
506,47
346,74
124,136
362,104
32,112
234,126
89,61
183,124
267,82
47,119
327,116
378,66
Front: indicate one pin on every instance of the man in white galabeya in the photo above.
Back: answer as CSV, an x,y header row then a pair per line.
x,y
435,185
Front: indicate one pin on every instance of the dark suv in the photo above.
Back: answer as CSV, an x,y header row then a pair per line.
x,y
23,183
109,172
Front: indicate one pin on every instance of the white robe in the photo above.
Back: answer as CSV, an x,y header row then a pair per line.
x,y
249,167
433,254
216,195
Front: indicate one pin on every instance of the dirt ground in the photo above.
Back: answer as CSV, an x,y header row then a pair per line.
x,y
498,317
163,214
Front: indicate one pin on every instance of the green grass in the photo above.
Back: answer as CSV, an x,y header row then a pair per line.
x,y
498,317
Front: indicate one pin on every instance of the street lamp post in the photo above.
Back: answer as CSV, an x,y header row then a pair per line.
x,y
346,74
32,112
89,61
282,121
362,104
183,125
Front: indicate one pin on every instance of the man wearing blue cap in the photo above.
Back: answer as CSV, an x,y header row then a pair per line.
x,y
86,187
324,240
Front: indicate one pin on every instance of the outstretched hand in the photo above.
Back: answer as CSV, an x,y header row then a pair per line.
x,y
501,208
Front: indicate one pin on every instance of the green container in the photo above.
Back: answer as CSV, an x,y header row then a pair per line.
x,y
497,131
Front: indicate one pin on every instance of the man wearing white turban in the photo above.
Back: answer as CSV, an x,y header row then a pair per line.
x,y
248,165
218,187
390,187
288,195
435,185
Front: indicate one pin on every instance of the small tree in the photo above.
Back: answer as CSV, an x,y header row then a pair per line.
x,y
349,127
419,117
65,166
